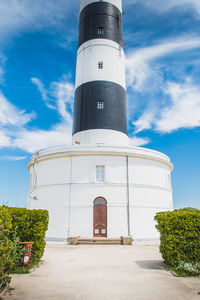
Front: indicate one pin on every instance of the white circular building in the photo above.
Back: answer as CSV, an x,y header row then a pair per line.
x,y
100,186
135,183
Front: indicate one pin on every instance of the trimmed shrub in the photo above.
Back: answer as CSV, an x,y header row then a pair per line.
x,y
179,236
20,225
17,251
6,263
31,226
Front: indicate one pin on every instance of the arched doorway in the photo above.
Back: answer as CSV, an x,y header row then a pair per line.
x,y
100,217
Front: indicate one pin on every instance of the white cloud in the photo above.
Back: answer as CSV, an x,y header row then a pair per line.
x,y
64,93
137,142
13,158
138,62
145,121
181,111
14,132
59,96
42,89
11,115
163,6
184,111
18,15
5,141
35,140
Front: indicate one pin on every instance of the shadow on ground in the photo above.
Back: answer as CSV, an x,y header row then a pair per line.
x,y
151,264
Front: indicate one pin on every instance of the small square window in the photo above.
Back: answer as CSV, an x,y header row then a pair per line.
x,y
100,65
100,173
100,30
100,105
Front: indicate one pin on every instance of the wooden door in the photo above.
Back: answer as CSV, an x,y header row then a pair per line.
x,y
100,217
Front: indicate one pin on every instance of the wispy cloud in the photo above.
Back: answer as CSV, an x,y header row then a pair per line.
x,y
13,158
5,140
184,109
19,15
14,132
59,96
181,111
38,139
43,91
137,141
138,62
11,115
146,120
163,6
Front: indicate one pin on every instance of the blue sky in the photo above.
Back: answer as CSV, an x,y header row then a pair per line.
x,y
38,42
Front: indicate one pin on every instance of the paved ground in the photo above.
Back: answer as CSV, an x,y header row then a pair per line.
x,y
102,273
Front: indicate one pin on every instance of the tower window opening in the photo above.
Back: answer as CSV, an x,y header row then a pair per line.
x,y
100,30
100,65
100,173
100,105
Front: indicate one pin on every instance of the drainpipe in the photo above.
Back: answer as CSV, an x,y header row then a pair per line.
x,y
69,198
128,196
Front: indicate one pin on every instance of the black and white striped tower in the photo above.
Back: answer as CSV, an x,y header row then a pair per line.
x,y
100,98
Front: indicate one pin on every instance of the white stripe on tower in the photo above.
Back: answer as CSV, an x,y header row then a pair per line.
x,y
100,96
100,50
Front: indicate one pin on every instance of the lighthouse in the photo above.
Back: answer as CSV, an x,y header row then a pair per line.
x,y
100,95
100,186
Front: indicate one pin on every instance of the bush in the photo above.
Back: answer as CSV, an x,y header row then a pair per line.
x,y
16,252
31,226
6,263
179,236
20,225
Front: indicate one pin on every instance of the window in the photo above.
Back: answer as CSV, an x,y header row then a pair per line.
x,y
100,30
100,65
100,200
100,173
100,105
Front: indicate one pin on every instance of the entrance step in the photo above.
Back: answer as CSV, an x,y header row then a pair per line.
x,y
100,241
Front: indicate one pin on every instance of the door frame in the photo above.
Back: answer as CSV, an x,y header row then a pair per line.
x,y
106,207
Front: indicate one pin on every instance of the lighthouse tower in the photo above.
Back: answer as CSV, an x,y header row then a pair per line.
x,y
100,96
100,186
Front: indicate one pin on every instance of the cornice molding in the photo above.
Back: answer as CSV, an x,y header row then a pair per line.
x,y
75,151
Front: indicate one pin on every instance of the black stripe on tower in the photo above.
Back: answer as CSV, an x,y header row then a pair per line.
x,y
100,105
100,20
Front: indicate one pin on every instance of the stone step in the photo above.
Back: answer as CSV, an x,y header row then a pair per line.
x,y
99,241
77,240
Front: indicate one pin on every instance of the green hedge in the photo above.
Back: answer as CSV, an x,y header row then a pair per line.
x,y
31,226
6,263
23,225
179,236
